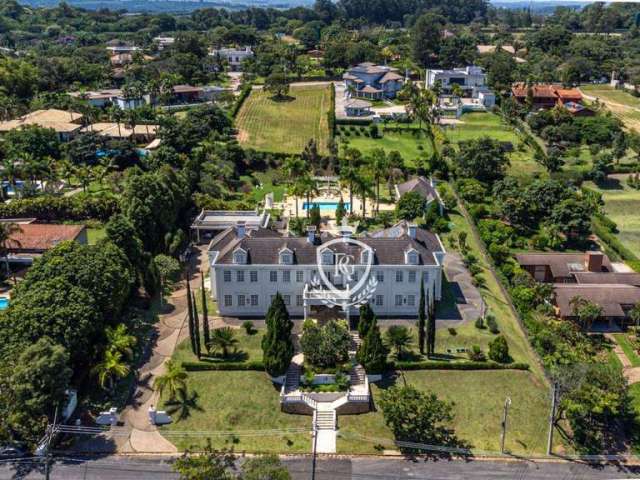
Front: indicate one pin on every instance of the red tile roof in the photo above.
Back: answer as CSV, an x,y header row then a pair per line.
x,y
41,237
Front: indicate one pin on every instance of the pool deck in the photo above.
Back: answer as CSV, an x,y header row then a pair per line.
x,y
289,205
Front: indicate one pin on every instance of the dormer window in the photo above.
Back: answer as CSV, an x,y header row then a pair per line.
x,y
364,257
327,257
240,256
286,256
411,257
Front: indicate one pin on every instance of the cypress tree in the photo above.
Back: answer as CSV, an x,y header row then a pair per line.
x,y
192,336
431,328
196,326
277,347
372,354
367,318
421,319
205,316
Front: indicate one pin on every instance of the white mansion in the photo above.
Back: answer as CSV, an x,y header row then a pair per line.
x,y
249,266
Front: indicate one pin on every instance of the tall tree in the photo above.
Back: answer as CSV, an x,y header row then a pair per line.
x,y
277,346
431,328
196,326
192,335
426,38
173,379
421,318
372,354
205,314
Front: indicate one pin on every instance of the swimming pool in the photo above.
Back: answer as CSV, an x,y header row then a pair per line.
x,y
324,205
4,303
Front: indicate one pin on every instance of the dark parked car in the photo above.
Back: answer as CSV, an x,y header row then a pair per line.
x,y
11,452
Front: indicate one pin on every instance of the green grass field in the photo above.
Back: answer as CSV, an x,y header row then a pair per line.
x,y
285,126
411,145
479,399
622,203
621,103
476,125
248,349
628,349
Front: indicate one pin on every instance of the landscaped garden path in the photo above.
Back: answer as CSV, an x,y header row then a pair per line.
x,y
631,373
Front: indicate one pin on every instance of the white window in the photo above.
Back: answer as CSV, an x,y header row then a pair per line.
x,y
228,300
240,276
240,257
286,257
272,297
241,300
412,257
379,300
399,276
287,300
286,276
380,276
299,276
411,300
299,302
273,276
412,276
227,275
398,300
327,257
253,276
254,300
364,257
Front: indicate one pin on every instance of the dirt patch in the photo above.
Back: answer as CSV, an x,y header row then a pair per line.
x,y
242,136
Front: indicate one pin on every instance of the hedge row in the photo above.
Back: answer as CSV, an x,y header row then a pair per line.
x,y
226,366
244,93
353,121
51,208
331,114
612,242
467,365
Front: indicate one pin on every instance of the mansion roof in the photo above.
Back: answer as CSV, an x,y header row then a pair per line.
x,y
390,246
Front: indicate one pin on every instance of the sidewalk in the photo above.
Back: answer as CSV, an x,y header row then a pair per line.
x,y
631,373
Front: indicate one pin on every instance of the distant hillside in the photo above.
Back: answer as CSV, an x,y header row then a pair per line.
x,y
168,5
544,6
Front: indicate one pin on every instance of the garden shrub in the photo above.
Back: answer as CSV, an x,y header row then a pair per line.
x,y
476,354
499,350
462,365
452,331
325,346
255,365
248,327
479,323
492,324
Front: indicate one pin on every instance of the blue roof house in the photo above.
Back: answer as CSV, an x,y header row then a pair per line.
x,y
375,82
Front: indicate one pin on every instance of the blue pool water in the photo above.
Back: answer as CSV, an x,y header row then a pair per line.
x,y
324,205
4,303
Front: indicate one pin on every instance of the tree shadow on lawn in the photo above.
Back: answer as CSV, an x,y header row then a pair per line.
x,y
282,98
232,357
610,184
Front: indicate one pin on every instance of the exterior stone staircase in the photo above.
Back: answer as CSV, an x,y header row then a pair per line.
x,y
357,375
292,378
326,419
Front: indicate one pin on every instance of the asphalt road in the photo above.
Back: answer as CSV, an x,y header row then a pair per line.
x,y
125,468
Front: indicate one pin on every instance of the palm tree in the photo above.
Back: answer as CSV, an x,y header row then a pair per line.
x,y
634,315
7,231
379,164
119,340
310,188
398,338
223,339
116,115
173,380
183,403
585,311
112,366
456,91
293,168
85,175
297,190
65,169
363,185
349,173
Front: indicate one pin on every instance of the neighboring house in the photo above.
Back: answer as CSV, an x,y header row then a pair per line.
x,y
211,222
118,46
113,96
33,239
233,56
426,188
544,96
248,268
187,93
468,78
375,82
357,108
588,275
66,124
142,132
164,42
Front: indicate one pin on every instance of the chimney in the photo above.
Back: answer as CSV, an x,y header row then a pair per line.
x,y
311,234
241,229
593,261
346,231
412,228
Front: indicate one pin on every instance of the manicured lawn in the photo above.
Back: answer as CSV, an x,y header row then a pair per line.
x,y
95,234
239,402
479,400
628,349
477,124
285,126
622,203
266,180
212,307
412,145
248,349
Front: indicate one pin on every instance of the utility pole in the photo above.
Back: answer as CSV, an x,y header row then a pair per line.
x,y
47,456
552,417
315,443
507,404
